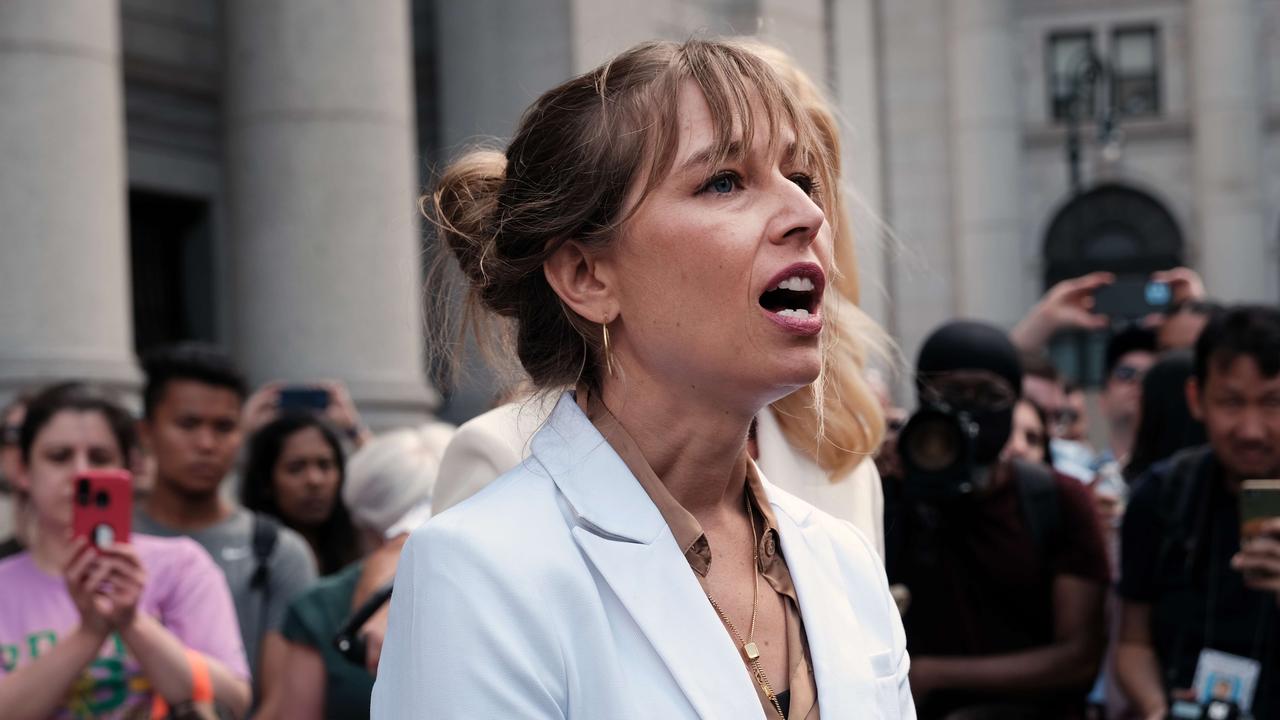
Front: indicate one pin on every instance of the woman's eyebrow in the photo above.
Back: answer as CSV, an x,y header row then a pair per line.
x,y
709,154
704,157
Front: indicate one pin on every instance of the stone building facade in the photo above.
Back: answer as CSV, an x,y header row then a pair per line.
x,y
245,171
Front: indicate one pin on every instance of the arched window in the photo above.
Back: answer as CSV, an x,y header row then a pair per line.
x,y
1114,228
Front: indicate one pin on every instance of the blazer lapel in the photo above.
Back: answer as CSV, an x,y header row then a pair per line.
x,y
846,683
625,538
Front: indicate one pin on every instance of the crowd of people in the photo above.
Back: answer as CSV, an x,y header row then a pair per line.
x,y
973,554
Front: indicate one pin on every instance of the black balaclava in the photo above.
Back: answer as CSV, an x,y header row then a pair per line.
x,y
968,345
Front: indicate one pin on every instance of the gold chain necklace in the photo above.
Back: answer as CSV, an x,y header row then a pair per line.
x,y
749,648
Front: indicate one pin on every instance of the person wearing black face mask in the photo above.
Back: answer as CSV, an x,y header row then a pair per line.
x,y
1003,561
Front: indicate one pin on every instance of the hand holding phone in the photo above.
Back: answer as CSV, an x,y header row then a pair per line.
x,y
1259,556
102,507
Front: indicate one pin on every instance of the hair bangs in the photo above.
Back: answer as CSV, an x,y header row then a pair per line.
x,y
740,89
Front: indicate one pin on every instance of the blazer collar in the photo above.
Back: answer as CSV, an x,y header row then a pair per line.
x,y
623,535
838,644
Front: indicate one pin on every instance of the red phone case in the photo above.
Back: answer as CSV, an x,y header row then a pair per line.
x,y
102,506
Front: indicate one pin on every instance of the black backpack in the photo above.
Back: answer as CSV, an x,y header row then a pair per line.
x,y
266,534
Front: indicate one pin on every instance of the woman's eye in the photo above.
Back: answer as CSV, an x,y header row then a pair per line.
x,y
722,184
805,183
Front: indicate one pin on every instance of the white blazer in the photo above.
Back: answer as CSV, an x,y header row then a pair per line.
x,y
559,592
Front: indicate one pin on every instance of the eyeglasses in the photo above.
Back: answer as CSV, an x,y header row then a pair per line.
x,y
1127,374
977,390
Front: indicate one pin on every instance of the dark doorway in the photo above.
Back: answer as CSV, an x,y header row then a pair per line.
x,y
171,251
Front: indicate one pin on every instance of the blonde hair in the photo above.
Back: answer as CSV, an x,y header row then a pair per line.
x,y
838,420
567,173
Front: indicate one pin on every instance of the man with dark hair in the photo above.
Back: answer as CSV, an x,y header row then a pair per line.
x,y
1188,584
1003,560
192,428
1130,353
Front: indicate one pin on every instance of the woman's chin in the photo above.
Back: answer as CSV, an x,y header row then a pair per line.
x,y
797,370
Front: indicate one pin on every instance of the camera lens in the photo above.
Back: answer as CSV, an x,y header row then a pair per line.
x,y
934,444
82,492
102,499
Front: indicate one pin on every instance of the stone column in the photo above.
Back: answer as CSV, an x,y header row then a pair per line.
x,y
1230,229
856,56
326,260
985,145
64,260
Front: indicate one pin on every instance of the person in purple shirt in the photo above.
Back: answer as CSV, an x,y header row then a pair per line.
x,y
103,634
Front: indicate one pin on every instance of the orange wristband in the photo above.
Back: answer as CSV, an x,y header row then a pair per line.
x,y
201,685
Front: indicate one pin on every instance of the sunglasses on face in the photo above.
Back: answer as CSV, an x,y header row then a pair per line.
x,y
1127,374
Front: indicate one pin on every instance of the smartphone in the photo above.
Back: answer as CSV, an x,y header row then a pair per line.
x,y
1259,502
102,507
304,397
1132,298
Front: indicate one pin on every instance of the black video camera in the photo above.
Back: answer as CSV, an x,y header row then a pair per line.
x,y
938,450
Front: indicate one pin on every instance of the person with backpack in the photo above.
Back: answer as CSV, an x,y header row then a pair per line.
x,y
1197,600
192,429
1002,560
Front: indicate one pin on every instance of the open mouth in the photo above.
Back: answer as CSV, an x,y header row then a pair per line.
x,y
796,292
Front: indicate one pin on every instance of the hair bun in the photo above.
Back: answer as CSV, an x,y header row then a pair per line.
x,y
462,209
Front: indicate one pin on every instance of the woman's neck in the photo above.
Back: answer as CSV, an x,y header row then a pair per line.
x,y
696,446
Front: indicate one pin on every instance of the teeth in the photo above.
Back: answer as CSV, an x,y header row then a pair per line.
x,y
799,313
796,284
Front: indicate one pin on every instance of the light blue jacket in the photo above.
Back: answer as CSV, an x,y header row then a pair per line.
x,y
559,592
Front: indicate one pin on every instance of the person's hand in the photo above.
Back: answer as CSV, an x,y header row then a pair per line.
x,y
374,631
1259,559
105,585
1067,305
261,408
1184,284
342,411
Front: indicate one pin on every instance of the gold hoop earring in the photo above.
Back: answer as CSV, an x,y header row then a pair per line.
x,y
608,353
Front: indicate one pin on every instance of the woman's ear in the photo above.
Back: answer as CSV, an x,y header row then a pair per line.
x,y
583,281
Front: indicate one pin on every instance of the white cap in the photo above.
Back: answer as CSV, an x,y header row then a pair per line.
x,y
394,473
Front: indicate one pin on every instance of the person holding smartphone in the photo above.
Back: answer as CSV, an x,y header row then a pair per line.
x,y
106,631
1191,588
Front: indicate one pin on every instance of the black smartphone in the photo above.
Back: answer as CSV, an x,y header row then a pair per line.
x,y
304,397
1132,298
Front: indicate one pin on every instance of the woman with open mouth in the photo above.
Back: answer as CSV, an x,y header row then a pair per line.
x,y
655,234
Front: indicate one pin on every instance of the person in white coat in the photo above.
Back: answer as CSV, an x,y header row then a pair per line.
x,y
656,232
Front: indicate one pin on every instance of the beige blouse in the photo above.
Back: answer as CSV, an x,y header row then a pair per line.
x,y
803,704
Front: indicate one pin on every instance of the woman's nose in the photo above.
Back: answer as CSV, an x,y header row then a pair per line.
x,y
799,218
